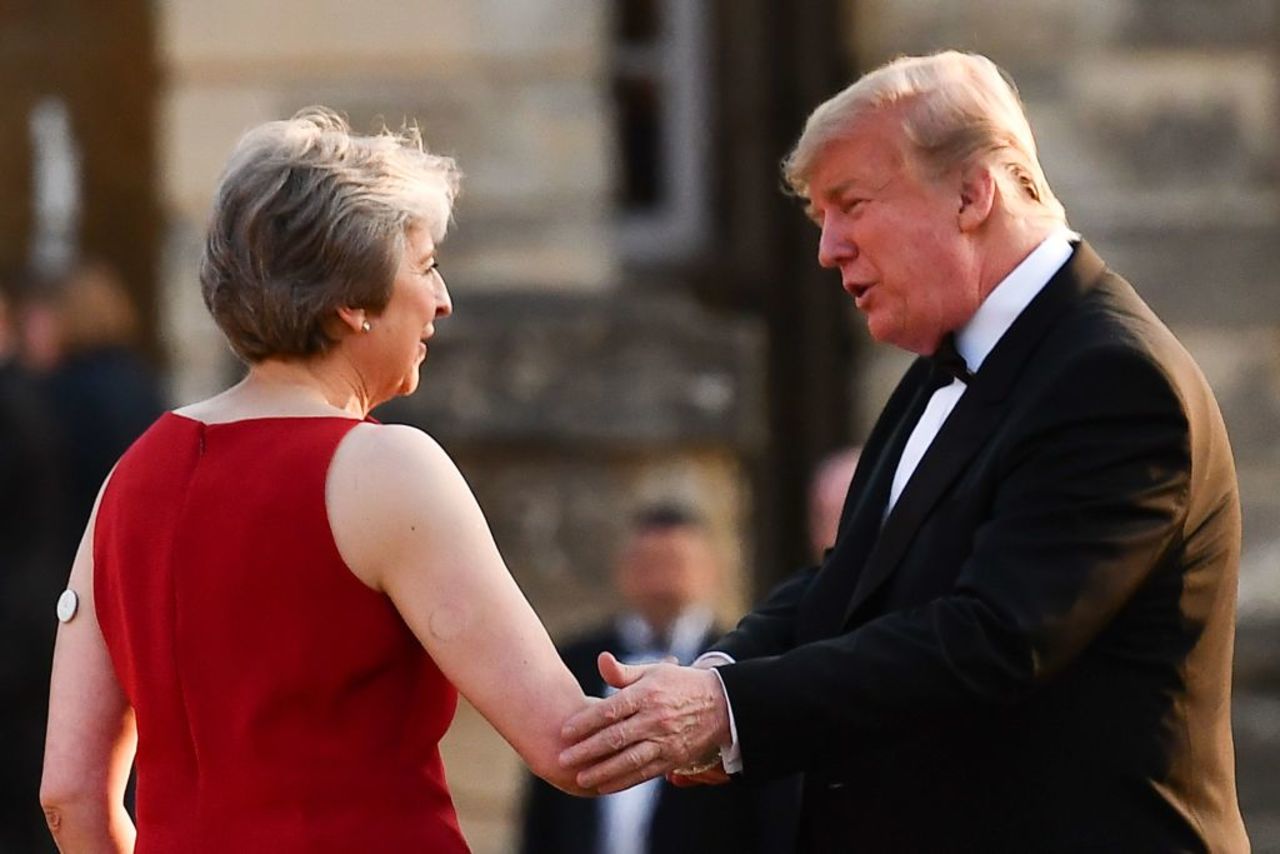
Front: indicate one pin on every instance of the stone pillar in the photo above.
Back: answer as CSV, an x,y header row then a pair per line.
x,y
96,60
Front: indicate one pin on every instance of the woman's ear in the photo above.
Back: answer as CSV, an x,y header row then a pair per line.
x,y
977,196
354,319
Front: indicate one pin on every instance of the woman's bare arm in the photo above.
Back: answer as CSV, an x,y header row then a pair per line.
x,y
406,523
91,738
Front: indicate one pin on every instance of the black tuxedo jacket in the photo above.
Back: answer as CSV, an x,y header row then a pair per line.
x,y
738,818
1033,651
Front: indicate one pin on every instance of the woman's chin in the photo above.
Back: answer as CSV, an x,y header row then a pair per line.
x,y
410,384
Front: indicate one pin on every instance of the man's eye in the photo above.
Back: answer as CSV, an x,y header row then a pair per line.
x,y
850,205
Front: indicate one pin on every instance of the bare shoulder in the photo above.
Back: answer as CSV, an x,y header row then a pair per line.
x,y
392,453
390,489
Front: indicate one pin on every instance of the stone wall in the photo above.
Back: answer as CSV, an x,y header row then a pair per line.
x,y
514,91
566,412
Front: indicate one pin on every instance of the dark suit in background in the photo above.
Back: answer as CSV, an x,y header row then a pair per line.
x,y
103,399
737,819
33,572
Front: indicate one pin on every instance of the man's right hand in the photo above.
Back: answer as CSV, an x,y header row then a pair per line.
x,y
663,717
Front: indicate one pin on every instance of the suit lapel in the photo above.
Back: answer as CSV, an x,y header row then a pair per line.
x,y
904,405
972,422
965,431
864,505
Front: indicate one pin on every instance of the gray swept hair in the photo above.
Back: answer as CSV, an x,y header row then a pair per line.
x,y
956,108
309,217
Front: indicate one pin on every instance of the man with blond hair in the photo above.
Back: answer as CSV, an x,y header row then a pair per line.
x,y
1022,638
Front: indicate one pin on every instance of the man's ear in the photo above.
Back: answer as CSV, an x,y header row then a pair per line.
x,y
977,196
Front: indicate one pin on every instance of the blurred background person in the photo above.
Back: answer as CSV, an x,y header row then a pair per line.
x,y
827,490
667,572
280,599
38,323
82,336
31,574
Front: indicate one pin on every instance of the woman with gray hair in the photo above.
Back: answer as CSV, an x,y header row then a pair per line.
x,y
276,597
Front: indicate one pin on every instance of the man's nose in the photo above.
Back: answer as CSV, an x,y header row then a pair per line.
x,y
833,247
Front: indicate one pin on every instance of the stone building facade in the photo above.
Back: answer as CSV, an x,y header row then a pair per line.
x,y
638,312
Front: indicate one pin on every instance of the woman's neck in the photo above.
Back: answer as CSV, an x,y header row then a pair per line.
x,y
313,382
289,388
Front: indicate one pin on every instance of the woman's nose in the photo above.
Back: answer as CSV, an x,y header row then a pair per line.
x,y
444,305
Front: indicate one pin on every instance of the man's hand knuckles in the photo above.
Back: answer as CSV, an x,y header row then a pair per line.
x,y
650,694
615,738
674,725
614,711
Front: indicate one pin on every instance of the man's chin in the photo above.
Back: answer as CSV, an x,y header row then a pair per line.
x,y
880,332
894,336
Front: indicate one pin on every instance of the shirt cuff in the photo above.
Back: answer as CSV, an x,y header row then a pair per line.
x,y
730,754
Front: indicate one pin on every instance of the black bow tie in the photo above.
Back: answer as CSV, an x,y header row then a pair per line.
x,y
948,364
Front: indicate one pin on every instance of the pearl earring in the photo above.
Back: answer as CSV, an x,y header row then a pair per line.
x,y
366,326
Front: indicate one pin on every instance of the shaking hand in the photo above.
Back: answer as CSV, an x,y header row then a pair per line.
x,y
663,718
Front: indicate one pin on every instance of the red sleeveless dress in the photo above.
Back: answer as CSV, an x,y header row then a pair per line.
x,y
282,706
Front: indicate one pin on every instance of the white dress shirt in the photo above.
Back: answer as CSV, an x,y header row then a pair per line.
x,y
974,342
625,816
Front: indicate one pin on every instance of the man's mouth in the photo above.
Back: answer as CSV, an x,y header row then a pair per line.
x,y
858,290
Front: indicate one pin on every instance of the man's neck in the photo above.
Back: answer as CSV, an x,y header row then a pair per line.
x,y
1008,243
997,312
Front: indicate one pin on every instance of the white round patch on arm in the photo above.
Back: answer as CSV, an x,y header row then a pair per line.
x,y
68,604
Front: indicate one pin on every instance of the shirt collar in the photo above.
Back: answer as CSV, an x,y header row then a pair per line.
x,y
685,641
977,338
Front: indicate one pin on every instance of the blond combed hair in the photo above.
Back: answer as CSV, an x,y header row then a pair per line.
x,y
956,109
310,217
